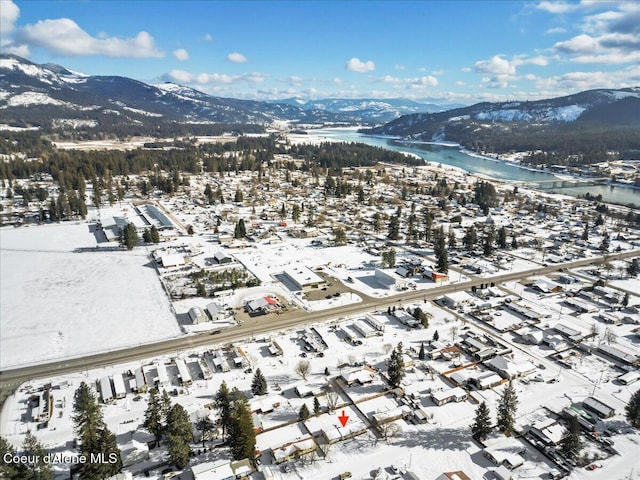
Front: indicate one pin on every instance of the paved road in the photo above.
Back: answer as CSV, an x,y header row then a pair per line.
x,y
258,326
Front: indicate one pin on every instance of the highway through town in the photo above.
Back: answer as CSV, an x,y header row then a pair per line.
x,y
255,327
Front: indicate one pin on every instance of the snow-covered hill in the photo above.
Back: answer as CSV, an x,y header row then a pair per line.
x,y
604,106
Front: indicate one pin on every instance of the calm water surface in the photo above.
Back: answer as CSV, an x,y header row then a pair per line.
x,y
453,156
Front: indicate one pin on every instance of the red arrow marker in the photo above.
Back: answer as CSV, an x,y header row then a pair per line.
x,y
343,419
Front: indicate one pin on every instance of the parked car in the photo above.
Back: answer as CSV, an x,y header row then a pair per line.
x,y
344,475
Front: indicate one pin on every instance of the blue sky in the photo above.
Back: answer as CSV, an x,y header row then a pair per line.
x,y
441,51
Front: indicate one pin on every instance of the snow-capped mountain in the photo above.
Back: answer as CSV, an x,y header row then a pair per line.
x,y
610,107
106,101
365,110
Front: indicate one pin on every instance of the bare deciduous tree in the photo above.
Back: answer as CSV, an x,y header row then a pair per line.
x,y
302,369
389,430
332,397
387,348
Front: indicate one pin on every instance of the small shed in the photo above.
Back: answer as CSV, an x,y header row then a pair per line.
x,y
222,258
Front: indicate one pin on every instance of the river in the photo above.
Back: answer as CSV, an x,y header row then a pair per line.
x,y
452,155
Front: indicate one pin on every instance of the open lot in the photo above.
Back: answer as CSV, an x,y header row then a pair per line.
x,y
62,297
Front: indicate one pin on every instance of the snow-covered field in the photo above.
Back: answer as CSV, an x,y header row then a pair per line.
x,y
62,297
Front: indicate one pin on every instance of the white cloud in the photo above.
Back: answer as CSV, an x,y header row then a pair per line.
x,y
236,57
9,13
557,7
399,67
293,80
410,82
554,30
356,65
337,81
580,44
609,37
179,76
497,66
184,77
390,79
426,81
181,54
539,60
579,81
207,37
20,50
63,36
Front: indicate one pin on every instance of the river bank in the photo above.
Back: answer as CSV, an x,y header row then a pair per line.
x,y
454,155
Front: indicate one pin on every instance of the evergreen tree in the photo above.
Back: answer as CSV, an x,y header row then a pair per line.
x,y
259,383
470,238
422,316
395,366
38,469
427,225
205,425
452,242
585,232
240,230
208,192
422,354
242,437
632,410
604,245
339,236
488,245
95,437
146,236
514,242
389,258
283,212
436,336
440,251
153,418
481,427
201,290
377,222
222,402
304,413
154,234
179,435
10,470
507,409
129,236
634,268
502,237
239,197
394,228
570,443
317,410
295,213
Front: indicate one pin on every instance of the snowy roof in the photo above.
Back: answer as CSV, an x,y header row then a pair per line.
x,y
172,259
214,309
361,375
220,470
285,451
550,429
303,276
